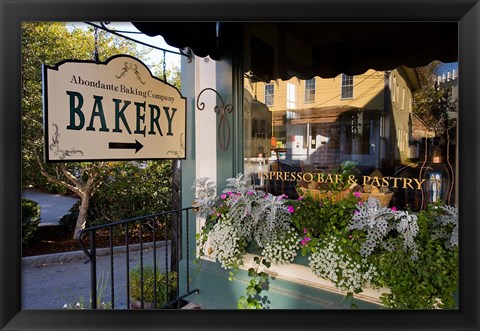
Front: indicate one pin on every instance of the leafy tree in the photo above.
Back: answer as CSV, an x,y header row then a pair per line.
x,y
48,43
433,104
172,74
132,189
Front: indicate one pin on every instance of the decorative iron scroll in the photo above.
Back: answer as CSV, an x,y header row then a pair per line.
x,y
223,132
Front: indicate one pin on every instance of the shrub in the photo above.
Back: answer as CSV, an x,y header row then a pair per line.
x,y
30,219
69,220
163,294
321,218
132,189
430,281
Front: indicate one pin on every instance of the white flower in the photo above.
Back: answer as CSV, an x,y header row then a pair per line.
x,y
283,250
331,263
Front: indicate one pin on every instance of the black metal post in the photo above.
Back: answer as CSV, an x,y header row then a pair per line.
x,y
127,263
93,270
112,279
154,265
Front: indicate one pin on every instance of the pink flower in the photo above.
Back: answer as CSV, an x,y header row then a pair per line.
x,y
305,230
223,196
305,241
300,198
249,192
357,194
360,203
356,212
394,208
218,214
291,209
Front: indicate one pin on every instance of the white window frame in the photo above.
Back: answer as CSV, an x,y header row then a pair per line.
x,y
310,85
269,95
291,96
346,83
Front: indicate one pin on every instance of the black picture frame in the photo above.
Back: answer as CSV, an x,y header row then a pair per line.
x,y
466,13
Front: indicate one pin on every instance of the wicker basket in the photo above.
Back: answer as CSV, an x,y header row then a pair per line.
x,y
384,198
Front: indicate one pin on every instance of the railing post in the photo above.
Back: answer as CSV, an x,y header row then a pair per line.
x,y
175,238
173,221
165,235
187,250
93,270
154,263
112,271
141,266
127,263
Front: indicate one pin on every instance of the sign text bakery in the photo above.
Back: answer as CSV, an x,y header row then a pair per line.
x,y
111,111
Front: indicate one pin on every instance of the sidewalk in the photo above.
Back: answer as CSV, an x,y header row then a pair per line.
x,y
53,206
56,282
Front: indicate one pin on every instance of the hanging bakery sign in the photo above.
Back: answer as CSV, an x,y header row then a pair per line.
x,y
114,110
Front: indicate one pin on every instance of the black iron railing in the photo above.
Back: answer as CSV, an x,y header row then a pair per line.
x,y
144,241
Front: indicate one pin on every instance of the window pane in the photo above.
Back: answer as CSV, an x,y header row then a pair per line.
x,y
376,135
269,94
347,87
310,90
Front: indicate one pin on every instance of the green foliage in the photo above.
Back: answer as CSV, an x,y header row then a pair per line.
x,y
151,276
432,103
321,218
101,287
335,233
69,220
132,189
241,215
30,219
427,283
173,76
259,281
49,43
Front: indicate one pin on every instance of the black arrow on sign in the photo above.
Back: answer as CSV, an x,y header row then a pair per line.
x,y
136,146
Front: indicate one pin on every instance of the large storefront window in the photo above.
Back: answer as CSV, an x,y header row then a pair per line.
x,y
378,121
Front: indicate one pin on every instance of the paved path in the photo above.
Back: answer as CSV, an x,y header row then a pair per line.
x,y
52,284
53,206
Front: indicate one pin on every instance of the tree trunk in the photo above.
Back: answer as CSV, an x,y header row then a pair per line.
x,y
82,215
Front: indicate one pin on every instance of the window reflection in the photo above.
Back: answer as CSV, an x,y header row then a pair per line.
x,y
315,125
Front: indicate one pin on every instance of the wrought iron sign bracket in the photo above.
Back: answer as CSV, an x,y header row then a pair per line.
x,y
223,131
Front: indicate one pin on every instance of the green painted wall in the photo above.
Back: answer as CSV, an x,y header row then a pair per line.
x,y
217,292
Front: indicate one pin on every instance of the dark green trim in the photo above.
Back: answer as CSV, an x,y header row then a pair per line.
x,y
238,114
224,86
